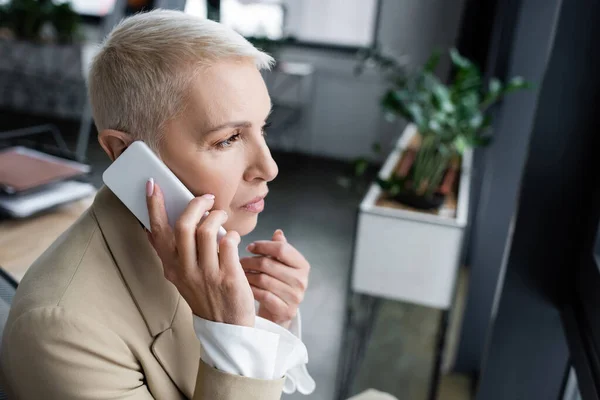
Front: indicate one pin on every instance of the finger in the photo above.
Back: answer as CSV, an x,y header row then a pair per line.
x,y
206,239
281,251
273,268
185,227
229,259
159,222
285,292
273,304
278,236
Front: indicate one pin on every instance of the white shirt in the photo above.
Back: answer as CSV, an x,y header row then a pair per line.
x,y
267,351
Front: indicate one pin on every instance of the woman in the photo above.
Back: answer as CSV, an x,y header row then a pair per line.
x,y
111,311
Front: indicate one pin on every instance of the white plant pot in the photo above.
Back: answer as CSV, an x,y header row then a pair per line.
x,y
409,255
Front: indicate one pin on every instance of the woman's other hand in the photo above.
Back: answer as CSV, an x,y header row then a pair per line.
x,y
278,275
208,276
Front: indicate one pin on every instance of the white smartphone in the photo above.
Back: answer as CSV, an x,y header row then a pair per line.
x,y
126,177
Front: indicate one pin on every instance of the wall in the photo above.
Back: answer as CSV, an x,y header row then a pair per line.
x,y
556,222
503,162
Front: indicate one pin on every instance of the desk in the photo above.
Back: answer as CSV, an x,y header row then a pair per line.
x,y
23,241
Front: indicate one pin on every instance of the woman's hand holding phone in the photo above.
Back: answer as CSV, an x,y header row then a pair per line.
x,y
208,276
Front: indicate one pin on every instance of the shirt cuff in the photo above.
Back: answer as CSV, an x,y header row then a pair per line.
x,y
298,378
266,351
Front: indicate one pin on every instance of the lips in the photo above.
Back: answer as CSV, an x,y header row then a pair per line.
x,y
255,205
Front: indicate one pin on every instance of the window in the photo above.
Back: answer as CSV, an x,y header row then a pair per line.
x,y
328,22
262,19
196,7
339,22
95,8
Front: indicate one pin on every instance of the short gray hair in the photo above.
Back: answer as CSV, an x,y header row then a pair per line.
x,y
141,76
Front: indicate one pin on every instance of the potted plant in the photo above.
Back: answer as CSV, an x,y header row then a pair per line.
x,y
450,118
40,21
412,220
40,58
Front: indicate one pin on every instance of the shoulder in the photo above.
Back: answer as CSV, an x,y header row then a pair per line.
x,y
50,336
63,351
49,276
76,274
43,325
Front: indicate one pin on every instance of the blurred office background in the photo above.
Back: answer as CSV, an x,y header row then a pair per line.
x,y
421,301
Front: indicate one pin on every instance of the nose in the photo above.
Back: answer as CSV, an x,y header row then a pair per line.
x,y
261,166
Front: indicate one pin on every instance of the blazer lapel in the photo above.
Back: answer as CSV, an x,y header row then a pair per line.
x,y
178,350
167,315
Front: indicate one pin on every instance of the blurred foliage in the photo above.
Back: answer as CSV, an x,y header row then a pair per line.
x,y
456,114
66,22
450,118
393,69
29,19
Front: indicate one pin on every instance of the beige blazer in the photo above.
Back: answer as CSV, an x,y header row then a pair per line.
x,y
94,318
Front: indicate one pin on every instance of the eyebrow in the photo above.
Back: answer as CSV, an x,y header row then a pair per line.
x,y
240,124
234,124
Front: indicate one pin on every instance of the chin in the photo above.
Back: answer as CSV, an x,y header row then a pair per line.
x,y
243,226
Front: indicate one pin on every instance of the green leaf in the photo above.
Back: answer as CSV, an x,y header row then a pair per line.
x,y
466,81
383,183
389,116
443,150
515,84
360,167
460,144
493,94
495,87
459,60
487,122
390,102
416,114
476,121
432,62
376,147
442,95
469,102
395,189
479,140
434,126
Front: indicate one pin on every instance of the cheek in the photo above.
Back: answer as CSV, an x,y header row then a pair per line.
x,y
223,183
224,195
219,174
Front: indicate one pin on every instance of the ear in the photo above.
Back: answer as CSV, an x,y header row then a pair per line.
x,y
114,142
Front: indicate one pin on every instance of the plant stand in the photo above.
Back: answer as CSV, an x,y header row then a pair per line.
x,y
404,255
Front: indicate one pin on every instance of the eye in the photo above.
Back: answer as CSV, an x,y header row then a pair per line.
x,y
228,142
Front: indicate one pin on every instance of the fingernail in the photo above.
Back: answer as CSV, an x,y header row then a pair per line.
x,y
150,187
250,247
209,196
281,234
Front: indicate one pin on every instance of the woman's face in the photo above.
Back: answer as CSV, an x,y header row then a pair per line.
x,y
217,144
